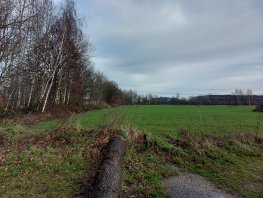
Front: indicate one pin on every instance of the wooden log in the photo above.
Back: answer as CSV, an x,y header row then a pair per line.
x,y
107,183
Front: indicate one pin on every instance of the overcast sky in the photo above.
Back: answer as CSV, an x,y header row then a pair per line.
x,y
168,46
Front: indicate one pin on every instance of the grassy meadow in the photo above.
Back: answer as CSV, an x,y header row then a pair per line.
x,y
156,119
56,158
196,119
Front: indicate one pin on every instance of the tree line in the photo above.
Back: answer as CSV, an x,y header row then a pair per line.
x,y
45,58
237,97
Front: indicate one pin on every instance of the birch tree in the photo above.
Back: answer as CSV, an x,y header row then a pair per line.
x,y
45,59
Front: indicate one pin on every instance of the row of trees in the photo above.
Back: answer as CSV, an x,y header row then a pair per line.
x,y
238,97
241,95
45,59
43,54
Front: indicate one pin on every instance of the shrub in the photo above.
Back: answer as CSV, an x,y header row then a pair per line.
x,y
95,106
259,108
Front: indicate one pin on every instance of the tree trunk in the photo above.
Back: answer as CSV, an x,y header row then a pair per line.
x,y
18,104
43,92
68,96
30,94
58,92
65,94
9,100
48,91
107,183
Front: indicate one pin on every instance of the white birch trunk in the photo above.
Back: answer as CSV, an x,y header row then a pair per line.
x,y
65,95
68,96
49,89
57,98
18,104
30,94
9,100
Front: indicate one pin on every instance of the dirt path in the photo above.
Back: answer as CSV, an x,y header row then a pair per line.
x,y
188,185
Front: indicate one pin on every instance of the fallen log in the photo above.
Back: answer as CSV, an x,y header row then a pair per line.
x,y
107,183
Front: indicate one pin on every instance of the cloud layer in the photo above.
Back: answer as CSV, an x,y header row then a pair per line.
x,y
185,46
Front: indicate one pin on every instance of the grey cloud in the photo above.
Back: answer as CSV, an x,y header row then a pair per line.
x,y
184,43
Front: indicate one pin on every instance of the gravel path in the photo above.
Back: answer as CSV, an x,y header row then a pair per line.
x,y
194,186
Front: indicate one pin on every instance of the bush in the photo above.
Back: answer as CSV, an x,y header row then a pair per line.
x,y
95,106
259,108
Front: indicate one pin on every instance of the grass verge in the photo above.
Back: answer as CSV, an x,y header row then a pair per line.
x,y
233,162
42,163
144,170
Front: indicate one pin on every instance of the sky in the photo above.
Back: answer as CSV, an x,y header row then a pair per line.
x,y
165,47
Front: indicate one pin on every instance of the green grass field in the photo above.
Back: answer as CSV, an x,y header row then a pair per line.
x,y
222,143
166,118
196,119
236,165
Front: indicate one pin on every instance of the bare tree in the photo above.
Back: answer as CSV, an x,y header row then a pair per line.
x,y
249,94
238,94
177,98
43,55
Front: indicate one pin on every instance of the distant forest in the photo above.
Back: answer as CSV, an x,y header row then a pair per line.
x,y
208,100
